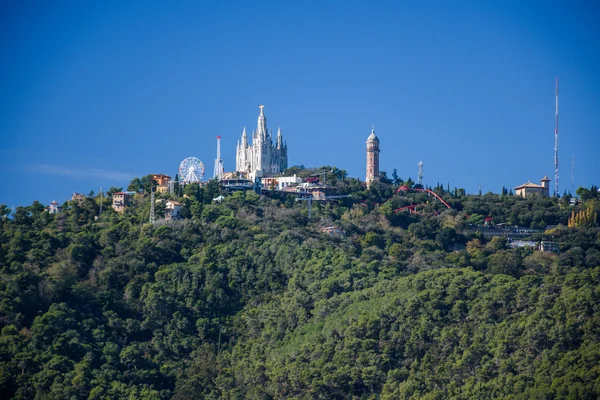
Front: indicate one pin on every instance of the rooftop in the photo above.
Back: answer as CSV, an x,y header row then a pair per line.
x,y
373,136
530,186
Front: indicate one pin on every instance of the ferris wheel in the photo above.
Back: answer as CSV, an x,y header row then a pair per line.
x,y
191,170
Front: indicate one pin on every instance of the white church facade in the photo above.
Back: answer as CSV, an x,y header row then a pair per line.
x,y
262,157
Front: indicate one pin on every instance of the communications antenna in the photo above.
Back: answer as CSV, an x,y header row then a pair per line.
x,y
218,173
573,175
556,192
420,164
152,207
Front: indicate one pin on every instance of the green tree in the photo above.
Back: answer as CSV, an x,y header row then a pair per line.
x,y
211,191
4,211
504,262
148,183
395,178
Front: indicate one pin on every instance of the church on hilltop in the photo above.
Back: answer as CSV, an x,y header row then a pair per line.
x,y
262,157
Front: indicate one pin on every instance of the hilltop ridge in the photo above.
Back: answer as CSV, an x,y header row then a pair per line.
x,y
249,298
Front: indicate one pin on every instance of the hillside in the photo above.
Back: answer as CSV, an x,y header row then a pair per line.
x,y
250,299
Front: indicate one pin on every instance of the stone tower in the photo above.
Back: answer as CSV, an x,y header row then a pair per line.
x,y
546,185
372,158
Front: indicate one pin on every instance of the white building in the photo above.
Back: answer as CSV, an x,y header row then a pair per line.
x,y
280,182
285,181
262,157
172,209
53,208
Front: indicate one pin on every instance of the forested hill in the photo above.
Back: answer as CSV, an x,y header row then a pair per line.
x,y
249,299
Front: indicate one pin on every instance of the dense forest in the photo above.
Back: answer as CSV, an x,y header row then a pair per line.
x,y
249,298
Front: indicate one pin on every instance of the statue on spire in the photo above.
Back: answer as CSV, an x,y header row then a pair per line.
x,y
261,129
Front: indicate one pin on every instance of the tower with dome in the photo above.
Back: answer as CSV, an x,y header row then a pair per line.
x,y
372,158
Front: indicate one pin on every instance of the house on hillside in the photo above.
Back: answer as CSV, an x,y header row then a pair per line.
x,y
333,231
528,189
162,182
53,208
549,246
172,209
78,197
120,200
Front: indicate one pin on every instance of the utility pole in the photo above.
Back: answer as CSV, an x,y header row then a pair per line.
x,y
573,176
309,200
101,193
556,192
152,221
309,203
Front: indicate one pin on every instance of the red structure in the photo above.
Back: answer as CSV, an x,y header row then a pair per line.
x,y
410,209
406,189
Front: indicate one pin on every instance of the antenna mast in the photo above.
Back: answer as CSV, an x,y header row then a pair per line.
x,y
556,192
420,164
218,172
152,221
573,176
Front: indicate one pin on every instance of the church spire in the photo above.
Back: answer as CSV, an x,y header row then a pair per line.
x,y
244,138
279,138
261,130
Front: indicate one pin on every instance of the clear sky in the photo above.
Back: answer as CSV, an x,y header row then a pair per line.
x,y
95,93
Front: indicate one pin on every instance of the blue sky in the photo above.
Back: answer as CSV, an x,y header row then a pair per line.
x,y
95,93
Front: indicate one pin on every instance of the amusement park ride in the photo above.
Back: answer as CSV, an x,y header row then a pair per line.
x,y
411,208
191,170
